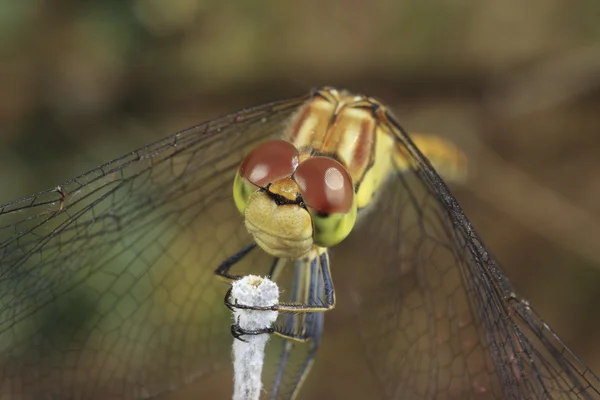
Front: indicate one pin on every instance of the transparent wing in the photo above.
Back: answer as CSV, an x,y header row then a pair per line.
x,y
107,287
106,282
437,316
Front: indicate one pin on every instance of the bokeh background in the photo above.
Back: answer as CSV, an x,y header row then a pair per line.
x,y
516,85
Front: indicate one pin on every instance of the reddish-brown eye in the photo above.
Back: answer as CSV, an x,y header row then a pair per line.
x,y
269,161
325,185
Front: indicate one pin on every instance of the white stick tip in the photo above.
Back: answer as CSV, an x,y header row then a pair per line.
x,y
255,291
248,355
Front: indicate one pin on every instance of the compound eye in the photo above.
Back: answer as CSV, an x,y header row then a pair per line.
x,y
269,162
325,185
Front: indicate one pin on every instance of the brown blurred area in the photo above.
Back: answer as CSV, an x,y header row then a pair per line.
x,y
514,84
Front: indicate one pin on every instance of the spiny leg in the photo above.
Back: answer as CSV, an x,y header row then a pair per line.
x,y
223,270
320,257
306,285
291,319
320,263
314,327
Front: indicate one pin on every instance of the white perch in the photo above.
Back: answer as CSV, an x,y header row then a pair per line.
x,y
248,357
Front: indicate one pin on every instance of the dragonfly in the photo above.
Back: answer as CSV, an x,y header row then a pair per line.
x,y
109,281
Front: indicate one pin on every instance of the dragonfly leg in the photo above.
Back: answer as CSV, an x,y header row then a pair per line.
x,y
314,343
321,259
300,323
303,326
223,270
237,331
305,288
304,336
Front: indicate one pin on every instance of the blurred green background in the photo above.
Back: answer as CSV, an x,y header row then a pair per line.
x,y
514,84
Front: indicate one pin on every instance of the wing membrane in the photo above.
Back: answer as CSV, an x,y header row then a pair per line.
x,y
437,316
107,287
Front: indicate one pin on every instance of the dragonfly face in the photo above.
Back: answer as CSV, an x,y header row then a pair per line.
x,y
292,201
107,287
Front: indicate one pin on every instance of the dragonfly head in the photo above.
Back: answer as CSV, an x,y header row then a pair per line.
x,y
292,202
